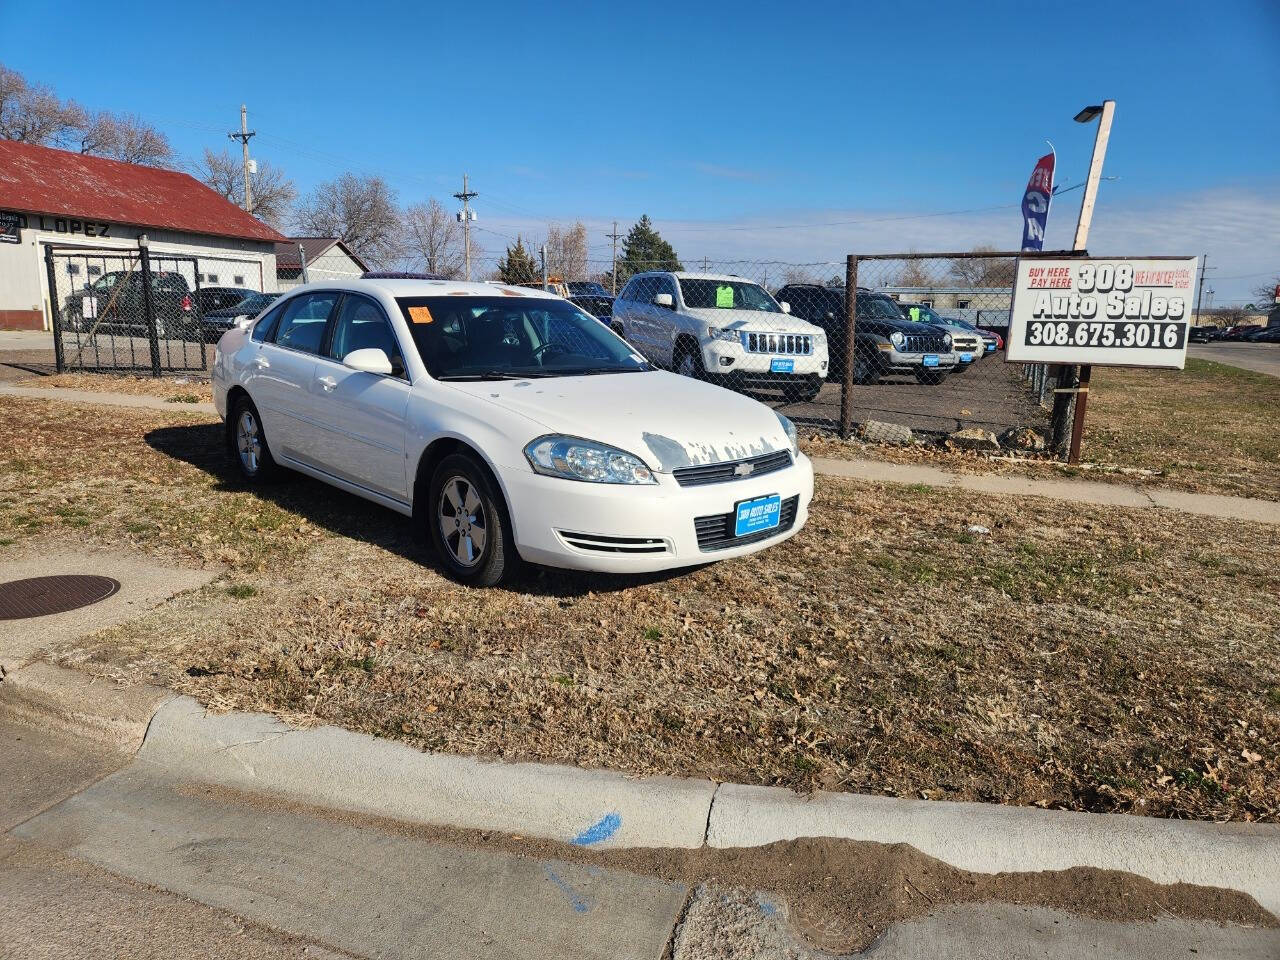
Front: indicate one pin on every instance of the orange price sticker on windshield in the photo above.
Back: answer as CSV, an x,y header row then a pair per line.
x,y
420,315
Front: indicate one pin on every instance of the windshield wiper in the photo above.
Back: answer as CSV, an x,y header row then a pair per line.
x,y
594,371
492,375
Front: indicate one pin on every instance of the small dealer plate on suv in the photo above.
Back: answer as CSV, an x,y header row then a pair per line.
x,y
752,516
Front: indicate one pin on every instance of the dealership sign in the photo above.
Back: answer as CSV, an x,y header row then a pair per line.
x,y
1113,312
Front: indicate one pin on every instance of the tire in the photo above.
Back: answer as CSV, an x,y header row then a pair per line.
x,y
247,444
688,362
812,387
460,481
930,378
864,371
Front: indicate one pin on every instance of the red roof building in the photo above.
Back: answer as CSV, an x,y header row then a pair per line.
x,y
42,180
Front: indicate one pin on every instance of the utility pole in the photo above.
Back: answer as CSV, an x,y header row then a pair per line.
x,y
466,216
244,135
614,237
543,251
1073,380
1200,288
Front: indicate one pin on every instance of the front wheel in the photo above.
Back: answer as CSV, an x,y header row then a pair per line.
x,y
810,389
468,523
689,364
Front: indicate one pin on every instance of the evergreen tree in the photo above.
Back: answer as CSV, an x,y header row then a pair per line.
x,y
518,265
644,249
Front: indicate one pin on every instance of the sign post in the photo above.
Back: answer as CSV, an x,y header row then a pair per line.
x,y
1119,311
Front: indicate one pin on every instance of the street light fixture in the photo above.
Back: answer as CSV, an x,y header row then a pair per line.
x,y
1088,113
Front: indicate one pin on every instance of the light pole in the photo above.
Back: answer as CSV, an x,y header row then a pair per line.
x,y
1070,374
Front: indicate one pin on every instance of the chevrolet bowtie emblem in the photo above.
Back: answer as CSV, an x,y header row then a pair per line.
x,y
743,470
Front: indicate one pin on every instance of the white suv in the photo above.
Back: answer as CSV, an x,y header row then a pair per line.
x,y
724,329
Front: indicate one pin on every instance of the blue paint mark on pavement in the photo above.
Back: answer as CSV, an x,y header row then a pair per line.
x,y
576,900
601,830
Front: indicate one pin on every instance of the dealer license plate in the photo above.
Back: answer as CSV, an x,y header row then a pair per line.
x,y
930,359
966,358
752,516
779,365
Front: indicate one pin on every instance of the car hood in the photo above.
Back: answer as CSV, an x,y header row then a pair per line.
x,y
753,321
667,420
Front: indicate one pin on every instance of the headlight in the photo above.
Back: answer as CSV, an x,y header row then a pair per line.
x,y
790,429
241,321
946,340
722,333
898,339
575,459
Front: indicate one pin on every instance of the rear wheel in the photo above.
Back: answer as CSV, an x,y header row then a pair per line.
x,y
247,443
468,524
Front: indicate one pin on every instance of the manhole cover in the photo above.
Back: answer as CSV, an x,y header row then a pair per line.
x,y
41,596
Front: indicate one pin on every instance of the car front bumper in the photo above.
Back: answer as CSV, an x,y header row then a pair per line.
x,y
615,528
894,361
728,357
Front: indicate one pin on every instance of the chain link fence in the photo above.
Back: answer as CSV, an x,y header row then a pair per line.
x,y
134,310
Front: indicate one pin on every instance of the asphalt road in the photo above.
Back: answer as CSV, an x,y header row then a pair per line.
x,y
1258,357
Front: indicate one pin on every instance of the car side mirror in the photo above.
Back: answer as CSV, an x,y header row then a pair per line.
x,y
368,360
831,315
664,300
786,307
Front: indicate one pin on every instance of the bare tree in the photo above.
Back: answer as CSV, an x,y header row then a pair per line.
x,y
433,240
34,114
1264,295
567,251
124,137
983,271
912,274
360,211
273,193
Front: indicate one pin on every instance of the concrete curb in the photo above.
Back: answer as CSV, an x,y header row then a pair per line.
x,y
989,838
46,695
333,767
104,398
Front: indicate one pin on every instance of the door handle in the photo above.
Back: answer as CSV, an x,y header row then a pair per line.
x,y
328,383
262,363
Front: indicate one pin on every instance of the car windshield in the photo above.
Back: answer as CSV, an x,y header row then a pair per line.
x,y
878,308
920,313
506,337
255,303
726,295
106,281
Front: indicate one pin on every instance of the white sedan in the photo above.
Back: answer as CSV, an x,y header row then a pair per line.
x,y
509,425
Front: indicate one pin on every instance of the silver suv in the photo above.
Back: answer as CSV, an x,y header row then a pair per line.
x,y
724,329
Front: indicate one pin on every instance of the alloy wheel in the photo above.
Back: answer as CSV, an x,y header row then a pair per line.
x,y
463,523
249,442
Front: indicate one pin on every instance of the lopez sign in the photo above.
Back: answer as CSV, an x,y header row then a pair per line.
x,y
1116,312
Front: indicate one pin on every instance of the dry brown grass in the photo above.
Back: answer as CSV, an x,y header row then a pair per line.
x,y
1210,428
1072,657
179,389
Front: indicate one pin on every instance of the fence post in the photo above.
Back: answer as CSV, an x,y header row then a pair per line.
x,y
148,305
55,311
850,329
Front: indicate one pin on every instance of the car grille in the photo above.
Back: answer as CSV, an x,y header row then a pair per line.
x,y
966,344
715,532
598,543
795,343
730,469
925,343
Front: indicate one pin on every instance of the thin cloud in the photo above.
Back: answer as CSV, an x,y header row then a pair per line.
x,y
727,173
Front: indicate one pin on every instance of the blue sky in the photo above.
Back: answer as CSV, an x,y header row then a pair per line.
x,y
775,120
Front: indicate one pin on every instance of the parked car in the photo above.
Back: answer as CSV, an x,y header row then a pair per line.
x,y
1204,334
586,288
509,425
966,343
217,322
216,298
1263,335
887,342
114,303
1238,332
723,329
599,306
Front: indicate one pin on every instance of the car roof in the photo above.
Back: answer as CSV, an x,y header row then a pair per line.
x,y
400,287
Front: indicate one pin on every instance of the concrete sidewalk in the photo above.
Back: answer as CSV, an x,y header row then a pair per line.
x,y
1071,491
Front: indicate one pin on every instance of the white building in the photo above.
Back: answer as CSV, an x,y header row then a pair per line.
x,y
328,258
67,200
